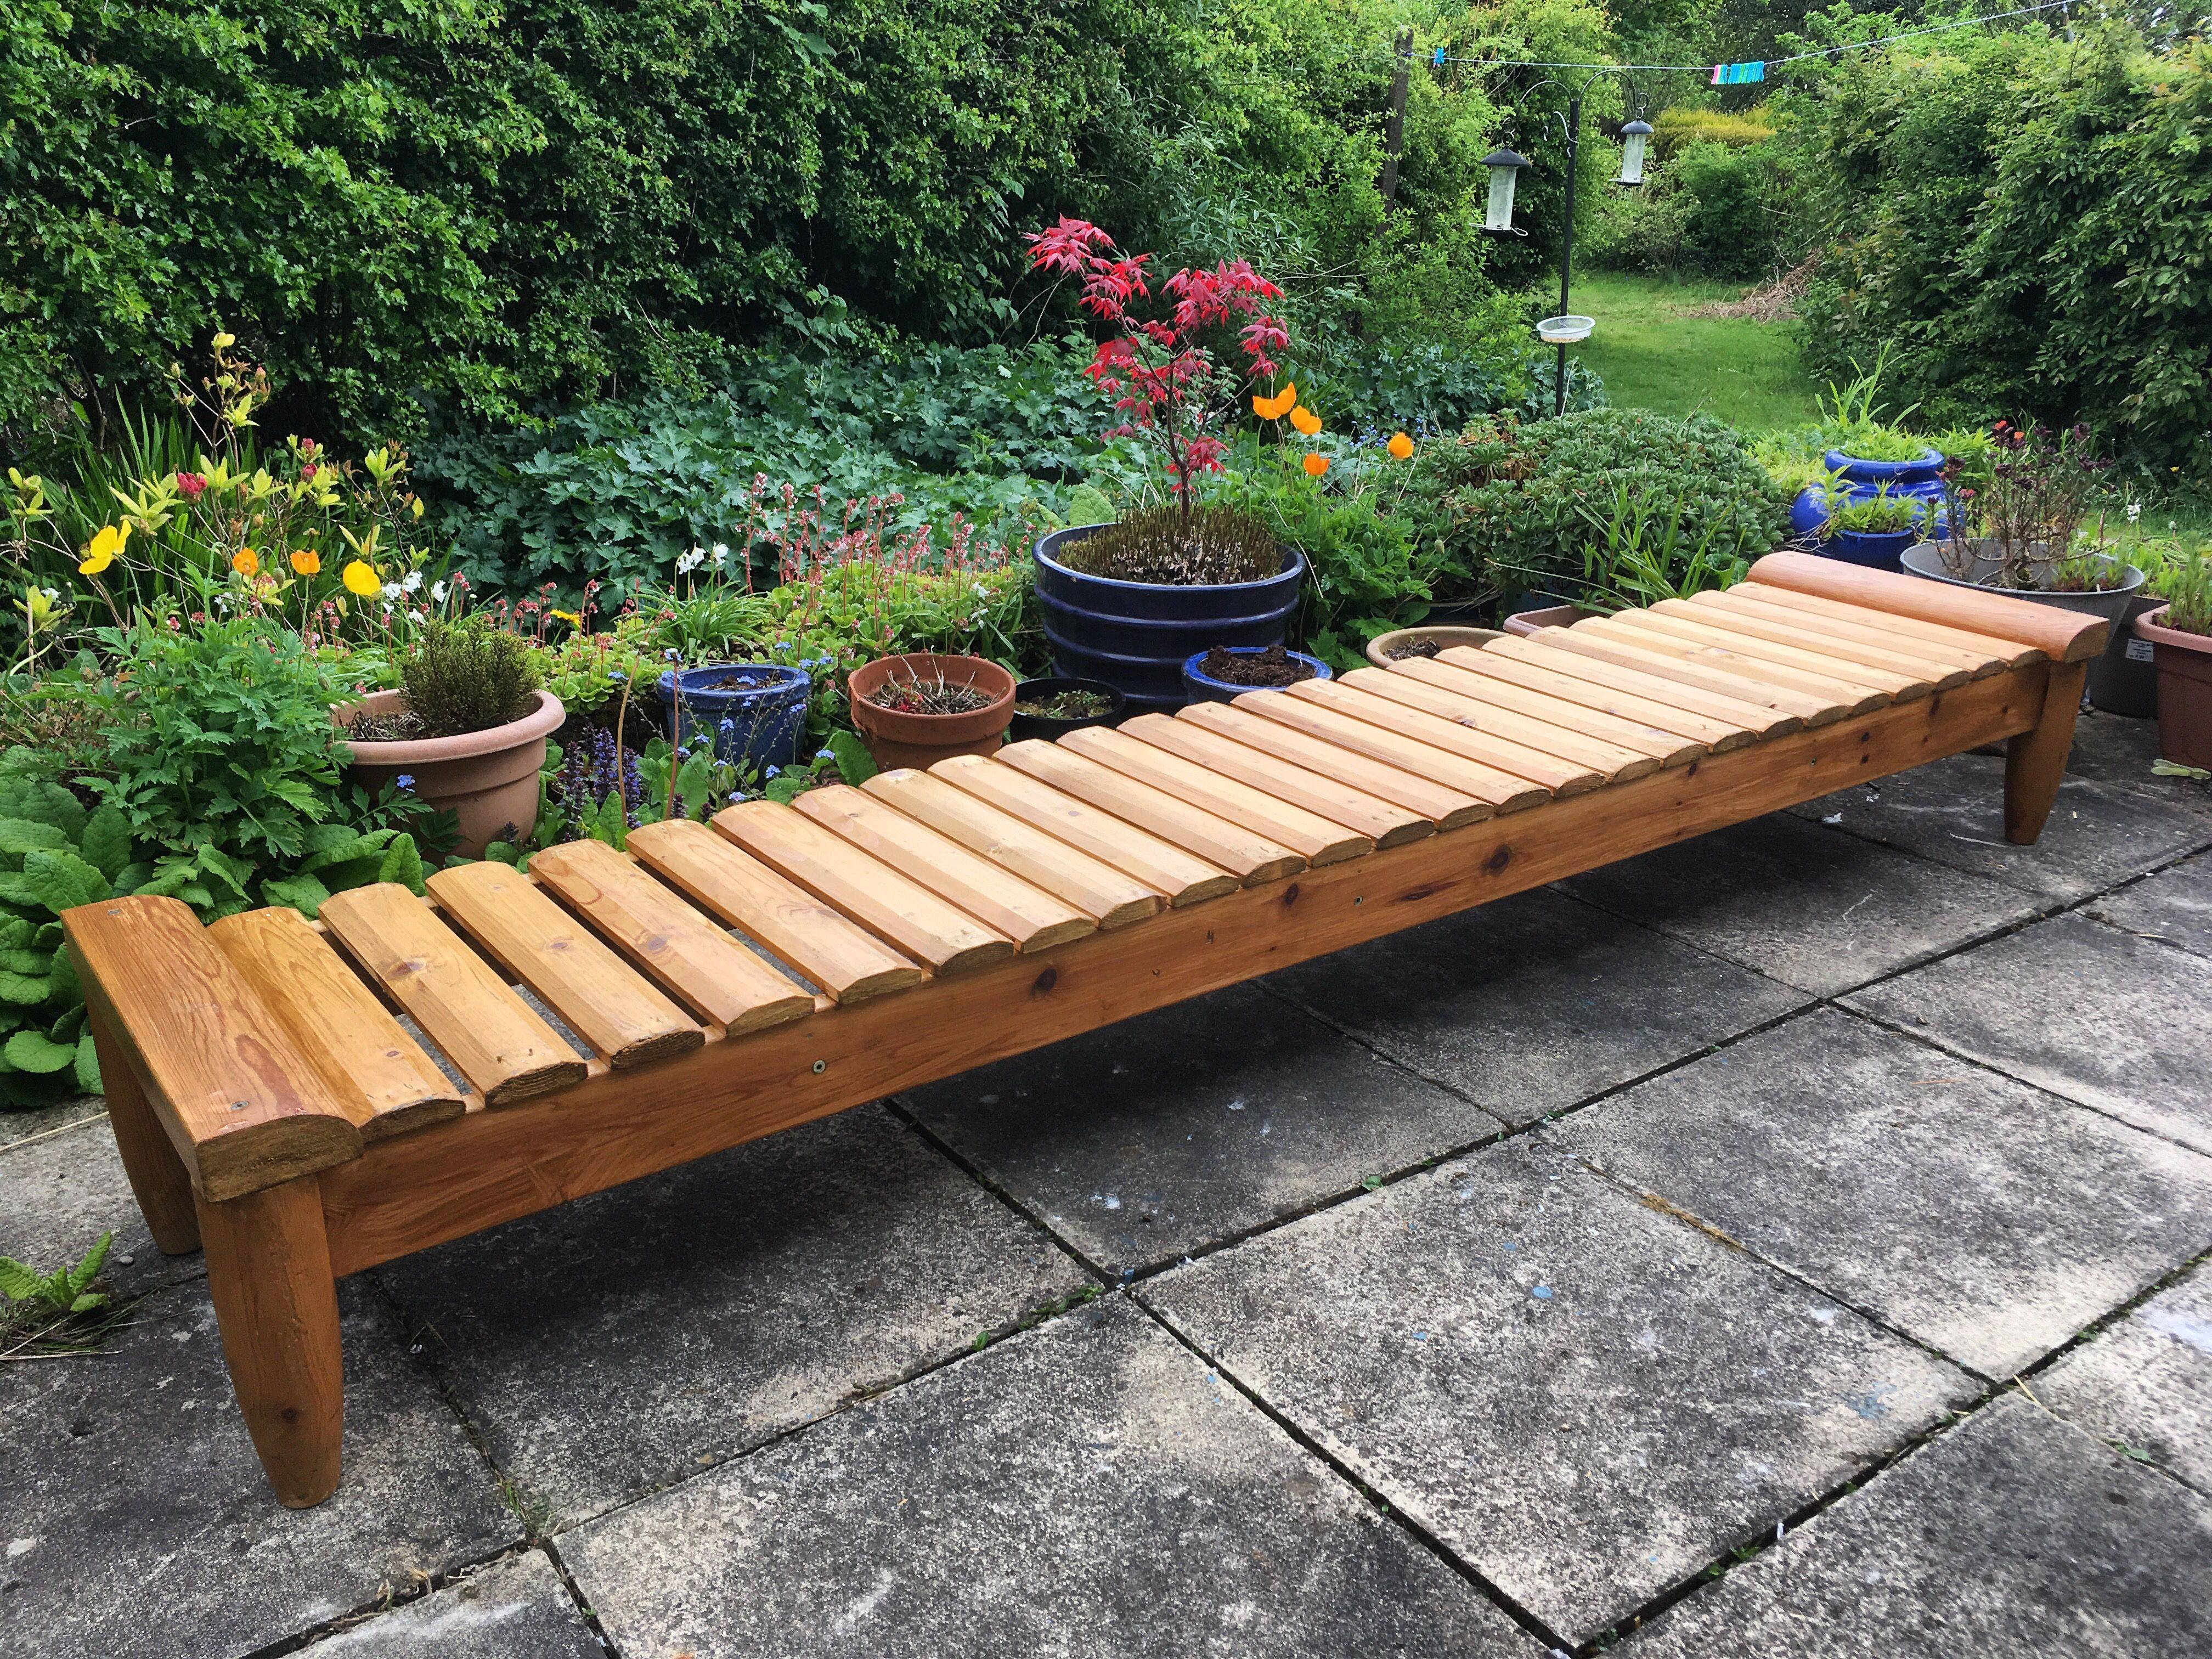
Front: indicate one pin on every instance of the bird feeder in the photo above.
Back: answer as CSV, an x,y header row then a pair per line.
x,y
1505,173
1632,138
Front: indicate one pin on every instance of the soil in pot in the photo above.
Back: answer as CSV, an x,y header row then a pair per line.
x,y
912,697
1068,705
1274,666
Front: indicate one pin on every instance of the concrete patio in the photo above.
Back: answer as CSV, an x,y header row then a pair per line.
x,y
1792,1243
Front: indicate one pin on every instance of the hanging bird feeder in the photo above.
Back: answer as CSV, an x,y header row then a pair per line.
x,y
1632,139
1504,174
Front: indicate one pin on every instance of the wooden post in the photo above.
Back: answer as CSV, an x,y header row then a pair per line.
x,y
1393,131
158,1178
2035,760
269,1271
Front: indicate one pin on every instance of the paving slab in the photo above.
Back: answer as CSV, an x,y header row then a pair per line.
x,y
517,1608
1585,1399
17,1126
1804,903
1951,811
60,1192
615,1344
2146,1380
137,1522
1086,1488
2174,905
2012,1535
2117,749
2116,1022
1535,1003
1153,1138
1981,1216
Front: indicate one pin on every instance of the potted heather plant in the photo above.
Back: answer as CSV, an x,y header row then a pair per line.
x,y
466,730
918,707
2180,635
1127,602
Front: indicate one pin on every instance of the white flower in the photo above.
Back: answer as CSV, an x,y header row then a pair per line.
x,y
2134,511
722,552
391,591
687,563
411,580
438,592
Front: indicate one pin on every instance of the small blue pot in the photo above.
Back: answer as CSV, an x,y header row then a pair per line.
x,y
754,712
1875,551
1200,687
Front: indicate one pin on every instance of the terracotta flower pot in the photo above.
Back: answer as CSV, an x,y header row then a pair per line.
x,y
1445,635
920,740
489,778
2185,689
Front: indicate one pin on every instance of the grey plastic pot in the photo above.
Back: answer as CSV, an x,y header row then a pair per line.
x,y
1926,559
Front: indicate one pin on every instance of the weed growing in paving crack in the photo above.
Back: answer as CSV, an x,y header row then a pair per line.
x,y
53,1315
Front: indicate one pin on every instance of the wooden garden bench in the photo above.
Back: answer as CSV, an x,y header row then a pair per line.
x,y
271,1107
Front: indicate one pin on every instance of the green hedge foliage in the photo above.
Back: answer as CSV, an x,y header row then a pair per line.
x,y
2027,222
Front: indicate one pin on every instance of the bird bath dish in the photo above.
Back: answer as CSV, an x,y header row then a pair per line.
x,y
1564,330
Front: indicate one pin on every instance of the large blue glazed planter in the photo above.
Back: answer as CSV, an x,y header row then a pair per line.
x,y
757,722
1875,550
1862,479
1135,636
1199,686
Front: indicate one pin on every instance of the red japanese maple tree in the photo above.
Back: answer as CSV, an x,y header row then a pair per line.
x,y
1162,378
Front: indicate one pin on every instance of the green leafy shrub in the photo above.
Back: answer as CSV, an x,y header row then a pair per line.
x,y
1673,131
468,677
1513,497
1722,209
1640,554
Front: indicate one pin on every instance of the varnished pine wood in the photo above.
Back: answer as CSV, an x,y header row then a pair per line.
x,y
687,954
1598,646
417,1190
1313,838
472,1014
158,1178
1548,651
1112,898
1445,808
1182,876
1611,761
2011,653
1504,790
905,915
379,1075
1328,799
1029,915
1533,678
1942,667
242,1105
2035,760
2062,636
847,961
1250,857
276,1302
1548,772
1817,669
1651,633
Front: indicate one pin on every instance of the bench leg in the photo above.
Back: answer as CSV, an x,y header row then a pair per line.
x,y
2035,760
269,1271
158,1180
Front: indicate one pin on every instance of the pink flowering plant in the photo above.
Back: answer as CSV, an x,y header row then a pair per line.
x,y
1161,369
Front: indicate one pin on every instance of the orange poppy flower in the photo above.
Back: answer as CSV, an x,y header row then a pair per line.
x,y
1400,445
245,561
1316,465
306,561
1274,408
1305,420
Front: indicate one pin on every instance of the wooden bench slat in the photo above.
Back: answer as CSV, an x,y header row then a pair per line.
x,y
1110,896
1248,856
1550,713
902,913
1030,916
598,996
2011,653
1689,623
687,954
1646,633
2062,636
506,1053
1573,643
1561,777
377,1073
1315,839
1446,808
1533,674
1504,790
244,1106
847,961
1180,877
1610,760
1942,667
1382,823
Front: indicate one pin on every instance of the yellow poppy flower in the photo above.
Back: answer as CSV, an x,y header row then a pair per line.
x,y
245,561
1400,445
1316,465
570,617
360,578
1274,408
100,552
307,561
1305,420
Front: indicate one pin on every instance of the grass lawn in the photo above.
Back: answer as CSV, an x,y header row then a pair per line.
x,y
1651,356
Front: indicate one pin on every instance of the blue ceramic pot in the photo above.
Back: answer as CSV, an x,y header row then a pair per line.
x,y
1876,551
1201,687
1864,479
755,713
